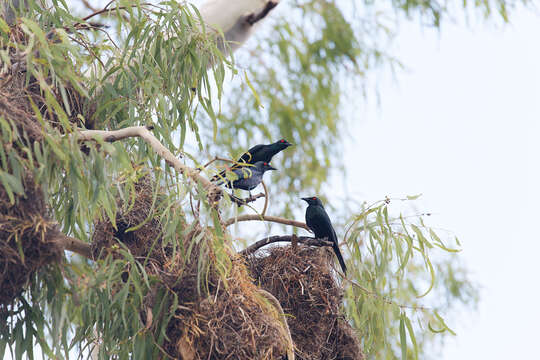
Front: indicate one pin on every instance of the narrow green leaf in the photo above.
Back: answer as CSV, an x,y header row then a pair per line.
x,y
432,276
253,91
411,336
403,337
413,197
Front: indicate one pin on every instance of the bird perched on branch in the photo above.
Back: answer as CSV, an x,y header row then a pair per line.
x,y
318,221
257,153
248,177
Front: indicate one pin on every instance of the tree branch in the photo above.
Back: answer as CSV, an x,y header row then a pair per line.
x,y
265,199
251,19
266,218
306,240
87,4
72,244
238,201
144,133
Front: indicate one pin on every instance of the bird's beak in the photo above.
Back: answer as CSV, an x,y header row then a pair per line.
x,y
305,199
289,144
270,167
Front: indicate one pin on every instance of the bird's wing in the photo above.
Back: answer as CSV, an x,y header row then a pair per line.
x,y
317,220
243,173
246,157
332,236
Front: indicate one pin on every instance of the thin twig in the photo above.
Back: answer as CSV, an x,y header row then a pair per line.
x,y
88,5
266,218
385,299
216,159
306,240
106,9
265,199
238,201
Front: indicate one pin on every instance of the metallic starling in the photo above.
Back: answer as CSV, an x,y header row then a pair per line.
x,y
257,153
318,221
249,176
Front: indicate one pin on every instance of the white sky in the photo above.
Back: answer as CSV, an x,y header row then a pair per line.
x,y
461,127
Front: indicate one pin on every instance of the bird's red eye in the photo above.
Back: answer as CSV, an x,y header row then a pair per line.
x,y
282,141
265,164
314,198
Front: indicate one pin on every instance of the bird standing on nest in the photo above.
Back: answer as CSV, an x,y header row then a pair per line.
x,y
257,153
318,221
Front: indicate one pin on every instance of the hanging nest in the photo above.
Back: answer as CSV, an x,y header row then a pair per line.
x,y
26,240
137,226
19,90
233,322
215,319
26,232
303,283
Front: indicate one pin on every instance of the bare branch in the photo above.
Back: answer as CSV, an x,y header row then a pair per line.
x,y
72,244
144,133
265,199
251,19
266,218
238,201
216,159
87,4
306,240
106,9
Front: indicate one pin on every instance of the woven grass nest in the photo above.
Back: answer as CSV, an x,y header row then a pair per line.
x,y
302,280
229,320
26,240
26,230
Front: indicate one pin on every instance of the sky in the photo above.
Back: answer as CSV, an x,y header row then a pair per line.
x,y
461,126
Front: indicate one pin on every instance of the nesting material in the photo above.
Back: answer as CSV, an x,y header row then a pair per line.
x,y
26,240
26,232
19,90
136,225
235,322
226,319
304,284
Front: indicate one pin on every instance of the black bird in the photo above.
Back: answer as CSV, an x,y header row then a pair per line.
x,y
249,177
257,153
318,221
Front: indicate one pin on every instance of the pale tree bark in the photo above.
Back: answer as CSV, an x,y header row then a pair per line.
x,y
236,18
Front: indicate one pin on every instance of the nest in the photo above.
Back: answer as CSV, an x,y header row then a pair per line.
x,y
26,232
18,92
136,227
303,283
233,322
26,240
228,319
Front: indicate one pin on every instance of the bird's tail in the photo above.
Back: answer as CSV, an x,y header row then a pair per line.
x,y
340,258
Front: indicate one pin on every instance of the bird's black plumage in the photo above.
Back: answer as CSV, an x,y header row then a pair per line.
x,y
257,153
318,221
249,177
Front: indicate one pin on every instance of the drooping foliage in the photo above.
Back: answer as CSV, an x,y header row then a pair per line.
x,y
164,279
